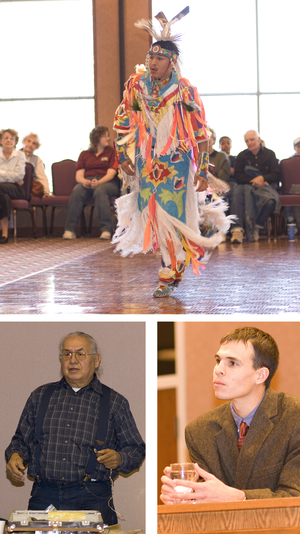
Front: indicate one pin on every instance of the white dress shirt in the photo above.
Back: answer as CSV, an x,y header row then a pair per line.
x,y
13,169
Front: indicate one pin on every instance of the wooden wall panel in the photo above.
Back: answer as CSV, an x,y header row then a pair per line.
x,y
202,342
167,434
106,52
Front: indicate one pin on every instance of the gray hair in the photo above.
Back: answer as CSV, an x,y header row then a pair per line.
x,y
93,343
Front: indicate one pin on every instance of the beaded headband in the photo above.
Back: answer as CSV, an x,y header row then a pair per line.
x,y
158,50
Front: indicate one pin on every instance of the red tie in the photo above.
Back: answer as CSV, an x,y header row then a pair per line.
x,y
243,431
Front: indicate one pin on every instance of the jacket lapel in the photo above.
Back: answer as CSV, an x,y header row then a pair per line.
x,y
226,440
258,432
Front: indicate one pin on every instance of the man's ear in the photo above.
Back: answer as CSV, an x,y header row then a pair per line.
x,y
263,374
97,360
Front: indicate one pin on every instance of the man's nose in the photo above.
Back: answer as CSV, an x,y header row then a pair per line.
x,y
219,369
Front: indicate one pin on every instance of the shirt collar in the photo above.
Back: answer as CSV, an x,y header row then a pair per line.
x,y
260,150
248,419
93,384
14,153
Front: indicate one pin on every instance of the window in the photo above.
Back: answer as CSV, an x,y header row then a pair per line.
x,y
242,57
48,74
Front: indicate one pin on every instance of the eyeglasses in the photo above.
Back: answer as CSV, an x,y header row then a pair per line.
x,y
80,355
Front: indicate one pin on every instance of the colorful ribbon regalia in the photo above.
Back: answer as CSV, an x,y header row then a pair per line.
x,y
161,134
161,127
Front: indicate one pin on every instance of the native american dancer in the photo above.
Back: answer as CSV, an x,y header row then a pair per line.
x,y
161,144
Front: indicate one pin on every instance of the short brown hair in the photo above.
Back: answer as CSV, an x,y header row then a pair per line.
x,y
266,353
95,134
13,133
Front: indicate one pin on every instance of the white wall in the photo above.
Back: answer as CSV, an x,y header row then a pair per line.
x,y
29,358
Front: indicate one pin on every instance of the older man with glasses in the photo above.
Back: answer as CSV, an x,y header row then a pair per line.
x,y
75,436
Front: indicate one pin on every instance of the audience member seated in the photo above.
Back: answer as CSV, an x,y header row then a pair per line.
x,y
225,144
292,214
248,448
96,174
220,160
257,175
40,182
12,172
297,147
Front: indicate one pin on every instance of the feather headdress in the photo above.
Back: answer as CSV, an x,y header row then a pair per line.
x,y
165,33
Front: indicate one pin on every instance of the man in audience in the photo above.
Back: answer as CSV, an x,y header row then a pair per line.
x,y
292,214
75,436
257,175
248,448
297,147
225,144
40,183
219,160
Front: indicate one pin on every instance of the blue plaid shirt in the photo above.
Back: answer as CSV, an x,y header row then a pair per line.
x,y
69,432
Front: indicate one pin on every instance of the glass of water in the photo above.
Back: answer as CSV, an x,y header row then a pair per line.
x,y
183,471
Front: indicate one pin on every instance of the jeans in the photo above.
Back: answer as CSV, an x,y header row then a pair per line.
x,y
74,496
253,205
101,195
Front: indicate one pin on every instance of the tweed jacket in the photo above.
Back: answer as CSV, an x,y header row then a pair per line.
x,y
268,464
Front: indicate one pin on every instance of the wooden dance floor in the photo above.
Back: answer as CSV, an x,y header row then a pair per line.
x,y
254,278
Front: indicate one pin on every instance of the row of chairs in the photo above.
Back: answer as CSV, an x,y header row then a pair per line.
x,y
63,177
290,176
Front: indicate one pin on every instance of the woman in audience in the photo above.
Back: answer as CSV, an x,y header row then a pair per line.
x,y
12,171
96,174
40,187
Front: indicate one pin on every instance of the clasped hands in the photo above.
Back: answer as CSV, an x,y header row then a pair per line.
x,y
210,490
258,181
90,184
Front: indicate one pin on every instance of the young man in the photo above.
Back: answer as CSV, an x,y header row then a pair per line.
x,y
219,159
248,448
162,150
225,145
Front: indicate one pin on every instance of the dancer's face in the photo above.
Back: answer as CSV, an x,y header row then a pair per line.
x,y
160,66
